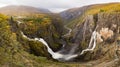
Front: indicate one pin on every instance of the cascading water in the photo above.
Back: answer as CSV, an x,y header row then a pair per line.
x,y
70,55
55,55
92,43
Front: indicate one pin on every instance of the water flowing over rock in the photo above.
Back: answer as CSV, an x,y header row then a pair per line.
x,y
55,55
91,46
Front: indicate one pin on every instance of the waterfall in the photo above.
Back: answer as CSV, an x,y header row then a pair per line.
x,y
55,55
58,55
92,43
19,22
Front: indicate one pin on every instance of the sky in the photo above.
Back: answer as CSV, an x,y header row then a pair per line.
x,y
54,5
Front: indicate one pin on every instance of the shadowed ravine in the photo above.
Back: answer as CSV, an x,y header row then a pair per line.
x,y
60,56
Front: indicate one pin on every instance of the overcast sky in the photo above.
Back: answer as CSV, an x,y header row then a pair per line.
x,y
54,5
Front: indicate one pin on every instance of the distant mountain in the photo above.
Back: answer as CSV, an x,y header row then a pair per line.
x,y
22,10
74,16
73,13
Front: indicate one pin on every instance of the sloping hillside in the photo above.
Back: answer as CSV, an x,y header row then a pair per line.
x,y
76,15
22,10
73,13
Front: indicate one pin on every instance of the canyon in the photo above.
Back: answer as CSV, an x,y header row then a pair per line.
x,y
88,36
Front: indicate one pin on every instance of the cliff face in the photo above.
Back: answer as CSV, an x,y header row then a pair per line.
x,y
107,43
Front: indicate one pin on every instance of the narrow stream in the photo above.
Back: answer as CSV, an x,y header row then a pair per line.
x,y
70,30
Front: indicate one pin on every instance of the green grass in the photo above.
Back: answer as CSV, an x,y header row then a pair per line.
x,y
111,7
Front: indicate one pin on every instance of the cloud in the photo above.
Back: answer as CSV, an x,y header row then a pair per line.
x,y
54,5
